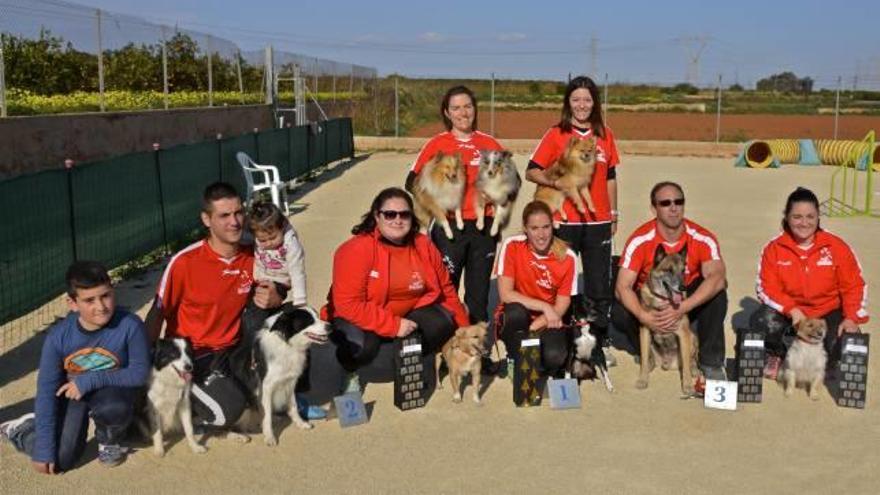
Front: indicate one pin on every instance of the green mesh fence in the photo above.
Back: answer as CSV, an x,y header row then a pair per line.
x,y
317,146
118,209
35,241
117,213
185,172
299,150
230,170
272,147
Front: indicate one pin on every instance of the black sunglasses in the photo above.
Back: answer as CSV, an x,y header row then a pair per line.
x,y
393,214
665,203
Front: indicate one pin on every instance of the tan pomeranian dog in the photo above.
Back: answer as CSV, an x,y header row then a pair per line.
x,y
572,174
439,189
806,359
463,354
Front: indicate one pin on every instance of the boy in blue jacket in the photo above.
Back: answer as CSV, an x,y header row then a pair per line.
x,y
91,364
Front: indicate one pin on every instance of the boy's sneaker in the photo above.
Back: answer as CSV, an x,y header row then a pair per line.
x,y
111,455
309,411
9,429
771,366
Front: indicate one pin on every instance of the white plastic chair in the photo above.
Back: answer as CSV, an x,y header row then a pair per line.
x,y
261,177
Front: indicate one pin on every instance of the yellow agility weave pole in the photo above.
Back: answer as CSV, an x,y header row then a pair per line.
x,y
845,203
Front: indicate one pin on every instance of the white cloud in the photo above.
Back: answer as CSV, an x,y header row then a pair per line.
x,y
432,37
511,37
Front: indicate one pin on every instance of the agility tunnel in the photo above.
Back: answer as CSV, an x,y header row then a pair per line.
x,y
770,153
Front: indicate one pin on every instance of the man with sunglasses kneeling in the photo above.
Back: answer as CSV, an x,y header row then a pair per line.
x,y
705,301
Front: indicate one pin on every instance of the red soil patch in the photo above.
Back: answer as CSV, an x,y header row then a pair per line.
x,y
531,124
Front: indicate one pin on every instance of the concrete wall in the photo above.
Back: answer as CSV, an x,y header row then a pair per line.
x,y
30,144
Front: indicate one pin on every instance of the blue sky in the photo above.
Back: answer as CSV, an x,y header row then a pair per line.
x,y
636,41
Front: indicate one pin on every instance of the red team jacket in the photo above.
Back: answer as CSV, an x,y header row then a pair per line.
x,y
552,146
361,279
470,155
638,253
817,280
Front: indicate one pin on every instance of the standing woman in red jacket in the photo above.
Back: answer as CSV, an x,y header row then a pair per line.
x,y
470,251
807,272
389,281
589,235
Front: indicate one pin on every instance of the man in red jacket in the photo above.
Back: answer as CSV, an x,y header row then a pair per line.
x,y
705,279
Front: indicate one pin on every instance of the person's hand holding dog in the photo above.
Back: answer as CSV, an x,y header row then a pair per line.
x,y
266,296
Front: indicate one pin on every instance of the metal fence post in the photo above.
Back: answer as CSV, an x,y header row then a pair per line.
x,y
396,108
605,100
100,63
164,68
161,196
492,107
269,74
238,73
351,92
2,83
68,166
376,103
210,76
837,105
718,113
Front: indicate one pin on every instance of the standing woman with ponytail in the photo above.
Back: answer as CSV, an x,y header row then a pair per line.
x,y
589,235
471,251
536,279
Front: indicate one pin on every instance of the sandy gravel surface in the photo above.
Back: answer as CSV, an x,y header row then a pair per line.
x,y
627,442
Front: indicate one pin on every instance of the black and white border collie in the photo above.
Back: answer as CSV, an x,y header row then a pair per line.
x,y
588,360
280,356
168,397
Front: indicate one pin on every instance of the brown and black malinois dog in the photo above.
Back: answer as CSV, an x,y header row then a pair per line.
x,y
678,349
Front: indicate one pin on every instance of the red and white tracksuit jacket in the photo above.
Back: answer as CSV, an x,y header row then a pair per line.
x,y
818,280
361,280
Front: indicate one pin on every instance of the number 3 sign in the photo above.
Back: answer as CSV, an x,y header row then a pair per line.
x,y
720,395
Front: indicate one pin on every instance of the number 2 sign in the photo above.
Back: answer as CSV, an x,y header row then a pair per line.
x,y
350,409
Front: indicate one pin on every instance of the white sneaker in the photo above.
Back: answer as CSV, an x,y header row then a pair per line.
x,y
9,428
610,360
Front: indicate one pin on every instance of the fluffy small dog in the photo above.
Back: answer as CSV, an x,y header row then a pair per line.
x,y
572,174
498,183
439,189
168,396
588,359
279,358
665,286
806,358
463,354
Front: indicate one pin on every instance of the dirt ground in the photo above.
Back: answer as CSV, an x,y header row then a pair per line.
x,y
531,124
631,441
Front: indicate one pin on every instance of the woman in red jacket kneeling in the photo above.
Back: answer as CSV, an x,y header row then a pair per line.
x,y
807,272
389,281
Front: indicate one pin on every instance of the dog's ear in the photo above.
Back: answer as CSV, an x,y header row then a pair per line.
x,y
659,254
460,331
683,252
572,142
164,353
506,154
439,156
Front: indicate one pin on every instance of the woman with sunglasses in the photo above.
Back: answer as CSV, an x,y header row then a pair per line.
x,y
389,281
470,251
537,276
589,234
705,298
807,272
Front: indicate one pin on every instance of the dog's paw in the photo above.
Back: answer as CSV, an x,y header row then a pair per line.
x,y
304,425
448,232
270,440
480,225
198,449
494,230
642,383
159,451
814,395
456,398
477,400
459,224
789,391
238,437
